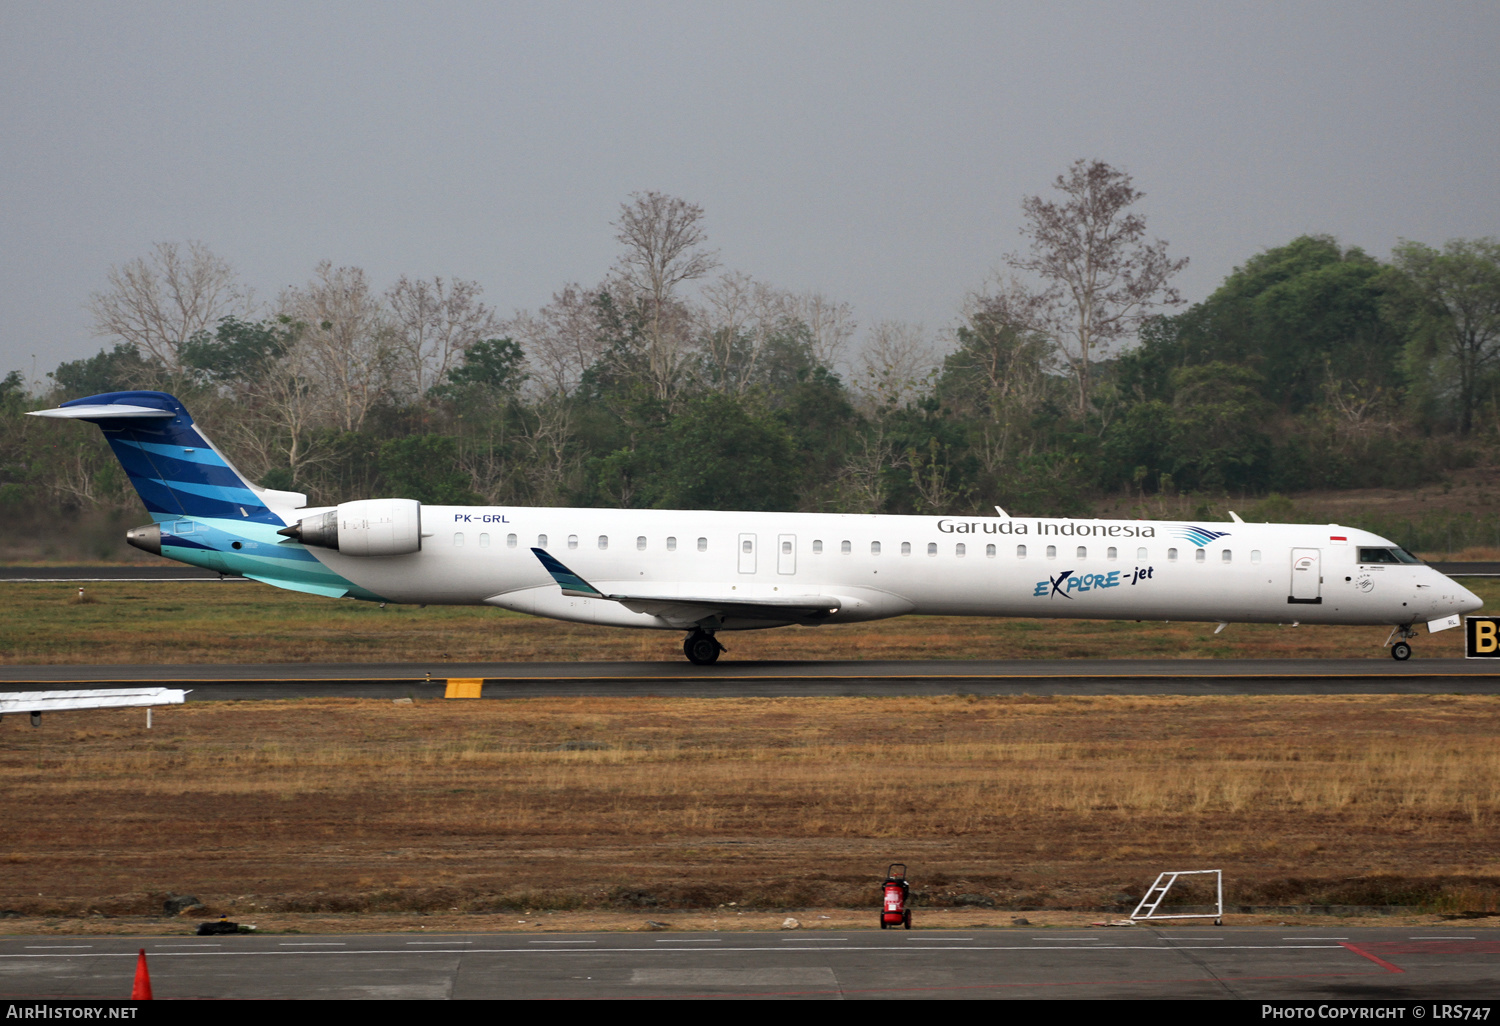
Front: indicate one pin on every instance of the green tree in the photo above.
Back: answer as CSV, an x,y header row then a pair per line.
x,y
425,468
239,352
1303,315
1456,319
717,453
114,370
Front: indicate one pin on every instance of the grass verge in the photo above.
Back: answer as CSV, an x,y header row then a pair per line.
x,y
365,809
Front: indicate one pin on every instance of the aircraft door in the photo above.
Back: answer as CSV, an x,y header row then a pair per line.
x,y
1307,576
786,554
747,553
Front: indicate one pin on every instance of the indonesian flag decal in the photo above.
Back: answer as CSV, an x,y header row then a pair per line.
x,y
1342,539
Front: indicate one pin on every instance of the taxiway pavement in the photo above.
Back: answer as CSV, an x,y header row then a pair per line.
x,y
1202,962
788,678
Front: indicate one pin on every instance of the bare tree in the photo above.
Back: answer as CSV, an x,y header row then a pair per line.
x,y
434,324
830,323
999,371
345,354
157,302
896,366
1099,277
561,340
663,239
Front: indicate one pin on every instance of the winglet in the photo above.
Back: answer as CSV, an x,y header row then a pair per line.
x,y
1235,517
566,579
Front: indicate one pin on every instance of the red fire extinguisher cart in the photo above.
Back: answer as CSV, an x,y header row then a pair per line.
x,y
894,894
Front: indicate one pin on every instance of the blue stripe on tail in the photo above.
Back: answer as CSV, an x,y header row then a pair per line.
x,y
176,471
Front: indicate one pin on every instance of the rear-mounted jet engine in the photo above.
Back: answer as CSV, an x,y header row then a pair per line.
x,y
368,527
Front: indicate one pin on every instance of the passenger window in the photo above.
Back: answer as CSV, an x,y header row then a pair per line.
x,y
1140,553
1051,551
959,549
702,544
786,548
989,550
572,541
541,541
1255,555
1227,556
458,539
932,548
746,546
1112,553
845,548
484,541
818,547
1199,555
874,548
1083,553
906,548
510,541
640,542
604,541
1020,552
672,543
1171,555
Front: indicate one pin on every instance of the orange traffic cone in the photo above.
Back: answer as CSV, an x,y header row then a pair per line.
x,y
142,989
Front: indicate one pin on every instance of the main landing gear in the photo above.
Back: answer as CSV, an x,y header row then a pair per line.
x,y
1401,651
702,648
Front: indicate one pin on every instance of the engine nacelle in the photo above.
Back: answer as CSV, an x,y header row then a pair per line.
x,y
367,527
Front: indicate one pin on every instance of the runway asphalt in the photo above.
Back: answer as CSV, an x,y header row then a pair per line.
x,y
788,679
1193,962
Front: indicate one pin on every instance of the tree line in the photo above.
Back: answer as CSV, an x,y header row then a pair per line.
x,y
674,382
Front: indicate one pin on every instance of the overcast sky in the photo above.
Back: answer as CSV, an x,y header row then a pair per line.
x,y
877,152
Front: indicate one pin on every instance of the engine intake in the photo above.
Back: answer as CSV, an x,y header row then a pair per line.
x,y
367,527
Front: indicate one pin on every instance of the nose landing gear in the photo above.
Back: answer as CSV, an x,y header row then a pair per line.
x,y
702,648
1401,651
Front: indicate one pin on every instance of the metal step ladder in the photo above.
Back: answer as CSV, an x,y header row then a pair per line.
x,y
1157,893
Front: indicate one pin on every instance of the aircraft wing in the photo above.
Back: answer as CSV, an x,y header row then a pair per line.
x,y
688,610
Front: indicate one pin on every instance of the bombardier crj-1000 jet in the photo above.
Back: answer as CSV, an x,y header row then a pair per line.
x,y
702,572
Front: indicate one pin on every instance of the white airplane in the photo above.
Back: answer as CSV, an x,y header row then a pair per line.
x,y
702,572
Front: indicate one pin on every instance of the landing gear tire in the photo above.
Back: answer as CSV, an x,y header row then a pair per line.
x,y
1401,651
702,648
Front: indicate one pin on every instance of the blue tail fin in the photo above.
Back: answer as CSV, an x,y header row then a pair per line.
x,y
177,471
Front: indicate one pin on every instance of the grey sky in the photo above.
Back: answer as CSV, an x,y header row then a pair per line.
x,y
875,152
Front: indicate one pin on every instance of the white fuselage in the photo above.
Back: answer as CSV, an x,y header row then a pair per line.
x,y
883,566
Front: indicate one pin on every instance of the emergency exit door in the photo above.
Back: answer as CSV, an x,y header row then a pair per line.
x,y
747,553
786,554
1307,577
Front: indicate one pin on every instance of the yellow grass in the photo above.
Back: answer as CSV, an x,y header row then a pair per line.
x,y
566,803
213,622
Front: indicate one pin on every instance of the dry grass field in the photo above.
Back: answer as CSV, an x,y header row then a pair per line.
x,y
213,622
462,809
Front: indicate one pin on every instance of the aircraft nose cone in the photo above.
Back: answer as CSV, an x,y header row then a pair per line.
x,y
1468,601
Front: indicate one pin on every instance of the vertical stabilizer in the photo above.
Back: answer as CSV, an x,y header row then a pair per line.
x,y
177,472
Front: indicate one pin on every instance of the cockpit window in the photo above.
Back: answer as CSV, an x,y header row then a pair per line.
x,y
1394,555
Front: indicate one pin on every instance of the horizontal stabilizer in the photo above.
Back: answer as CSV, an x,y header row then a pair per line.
x,y
110,411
